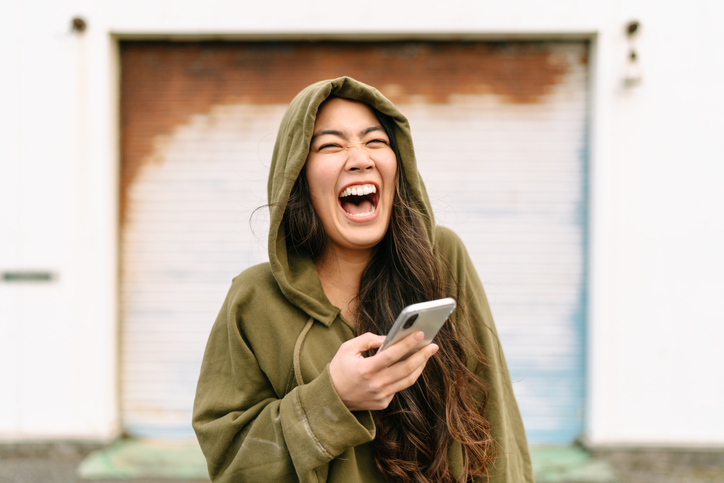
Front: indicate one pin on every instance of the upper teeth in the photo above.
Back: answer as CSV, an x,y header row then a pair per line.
x,y
359,190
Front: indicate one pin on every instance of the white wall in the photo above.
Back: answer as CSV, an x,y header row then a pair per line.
x,y
658,329
656,228
57,205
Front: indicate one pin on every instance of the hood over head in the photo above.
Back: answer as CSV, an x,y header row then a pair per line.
x,y
297,276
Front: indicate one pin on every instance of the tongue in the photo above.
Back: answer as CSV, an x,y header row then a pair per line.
x,y
364,207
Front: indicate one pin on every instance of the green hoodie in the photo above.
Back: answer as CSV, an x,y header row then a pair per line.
x,y
265,408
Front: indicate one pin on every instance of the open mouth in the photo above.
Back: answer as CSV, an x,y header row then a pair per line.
x,y
359,200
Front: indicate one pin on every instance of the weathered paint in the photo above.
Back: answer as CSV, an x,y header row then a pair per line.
x,y
165,83
186,235
508,177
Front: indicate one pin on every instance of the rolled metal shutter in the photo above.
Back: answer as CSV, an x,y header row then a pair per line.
x,y
508,175
511,181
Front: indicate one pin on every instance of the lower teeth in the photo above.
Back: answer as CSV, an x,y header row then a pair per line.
x,y
363,214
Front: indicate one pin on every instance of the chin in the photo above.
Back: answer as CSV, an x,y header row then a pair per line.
x,y
360,242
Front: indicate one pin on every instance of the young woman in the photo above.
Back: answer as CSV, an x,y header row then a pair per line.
x,y
291,386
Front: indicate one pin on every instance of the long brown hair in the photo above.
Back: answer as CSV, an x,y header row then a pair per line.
x,y
446,404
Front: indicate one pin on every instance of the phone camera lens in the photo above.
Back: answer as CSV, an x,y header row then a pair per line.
x,y
410,321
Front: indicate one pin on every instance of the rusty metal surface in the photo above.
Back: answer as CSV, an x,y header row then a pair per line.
x,y
509,177
164,83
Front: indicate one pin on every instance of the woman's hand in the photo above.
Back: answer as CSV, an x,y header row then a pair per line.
x,y
369,383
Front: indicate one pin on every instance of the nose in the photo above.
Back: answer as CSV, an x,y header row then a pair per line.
x,y
358,159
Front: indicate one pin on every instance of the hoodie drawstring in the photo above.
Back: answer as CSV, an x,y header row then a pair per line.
x,y
298,350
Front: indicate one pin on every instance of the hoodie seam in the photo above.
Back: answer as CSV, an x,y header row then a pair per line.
x,y
305,419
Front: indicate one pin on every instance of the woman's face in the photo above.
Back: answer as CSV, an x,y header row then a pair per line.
x,y
351,172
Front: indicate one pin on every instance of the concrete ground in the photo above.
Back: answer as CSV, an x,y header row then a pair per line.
x,y
666,465
58,463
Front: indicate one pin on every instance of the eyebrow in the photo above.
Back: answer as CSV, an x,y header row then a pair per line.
x,y
344,134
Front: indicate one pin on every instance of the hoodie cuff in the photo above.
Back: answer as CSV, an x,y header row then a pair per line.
x,y
325,418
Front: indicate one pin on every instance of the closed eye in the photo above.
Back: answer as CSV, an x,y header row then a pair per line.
x,y
378,141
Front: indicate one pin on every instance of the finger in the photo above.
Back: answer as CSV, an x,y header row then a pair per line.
x,y
408,380
394,352
404,368
364,342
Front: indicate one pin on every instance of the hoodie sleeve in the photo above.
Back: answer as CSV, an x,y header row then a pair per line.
x,y
248,433
512,464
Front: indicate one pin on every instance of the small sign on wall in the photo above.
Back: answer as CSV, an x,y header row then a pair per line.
x,y
28,276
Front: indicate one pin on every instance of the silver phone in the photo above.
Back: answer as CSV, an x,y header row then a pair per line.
x,y
425,316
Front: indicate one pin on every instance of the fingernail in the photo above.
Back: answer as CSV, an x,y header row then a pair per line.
x,y
419,335
434,348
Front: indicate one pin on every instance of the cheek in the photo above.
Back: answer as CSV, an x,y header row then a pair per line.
x,y
314,178
389,172
320,187
320,177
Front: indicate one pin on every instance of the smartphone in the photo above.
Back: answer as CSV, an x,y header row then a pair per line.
x,y
425,316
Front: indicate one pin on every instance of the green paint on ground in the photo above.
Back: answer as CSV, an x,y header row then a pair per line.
x,y
130,458
569,464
